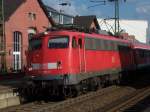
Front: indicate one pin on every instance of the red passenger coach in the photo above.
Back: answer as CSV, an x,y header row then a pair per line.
x,y
142,55
67,61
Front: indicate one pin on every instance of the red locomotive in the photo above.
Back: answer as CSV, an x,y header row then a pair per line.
x,y
67,61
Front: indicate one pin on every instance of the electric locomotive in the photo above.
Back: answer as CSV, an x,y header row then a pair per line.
x,y
66,62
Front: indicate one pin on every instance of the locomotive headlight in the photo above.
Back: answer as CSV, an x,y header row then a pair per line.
x,y
45,33
30,69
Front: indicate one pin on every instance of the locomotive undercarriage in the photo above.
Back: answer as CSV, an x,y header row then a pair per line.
x,y
49,89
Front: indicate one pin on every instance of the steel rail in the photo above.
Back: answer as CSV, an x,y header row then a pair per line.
x,y
51,106
127,101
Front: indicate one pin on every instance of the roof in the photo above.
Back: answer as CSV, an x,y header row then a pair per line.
x,y
10,6
86,21
46,11
50,9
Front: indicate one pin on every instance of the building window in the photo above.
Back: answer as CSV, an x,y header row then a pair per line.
x,y
32,16
56,17
67,20
60,19
17,39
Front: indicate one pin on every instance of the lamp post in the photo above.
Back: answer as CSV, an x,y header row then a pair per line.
x,y
117,25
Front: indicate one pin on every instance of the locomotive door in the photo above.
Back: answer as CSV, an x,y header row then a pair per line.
x,y
81,54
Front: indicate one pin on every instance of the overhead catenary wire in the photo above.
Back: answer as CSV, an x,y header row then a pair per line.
x,y
130,28
116,18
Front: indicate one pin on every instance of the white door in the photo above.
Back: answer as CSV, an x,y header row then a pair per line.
x,y
16,61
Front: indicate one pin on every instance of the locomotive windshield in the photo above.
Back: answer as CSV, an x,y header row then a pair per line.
x,y
35,44
58,42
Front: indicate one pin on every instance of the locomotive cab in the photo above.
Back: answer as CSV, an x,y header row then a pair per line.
x,y
48,56
54,60
56,57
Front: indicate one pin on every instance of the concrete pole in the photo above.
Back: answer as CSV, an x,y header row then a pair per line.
x,y
117,17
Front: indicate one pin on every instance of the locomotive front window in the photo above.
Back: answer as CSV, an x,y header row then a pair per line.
x,y
58,42
35,44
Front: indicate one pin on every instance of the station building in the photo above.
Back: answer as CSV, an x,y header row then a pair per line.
x,y
21,19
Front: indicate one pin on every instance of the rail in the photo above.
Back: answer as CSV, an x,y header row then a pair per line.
x,y
51,106
127,101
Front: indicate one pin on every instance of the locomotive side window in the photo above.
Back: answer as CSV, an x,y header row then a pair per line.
x,y
105,45
88,43
97,44
92,43
108,43
58,42
74,42
112,47
115,46
102,45
35,44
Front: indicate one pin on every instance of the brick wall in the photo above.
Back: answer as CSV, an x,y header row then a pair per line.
x,y
20,21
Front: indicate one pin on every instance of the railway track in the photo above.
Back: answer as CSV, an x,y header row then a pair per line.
x,y
111,99
54,106
92,104
128,101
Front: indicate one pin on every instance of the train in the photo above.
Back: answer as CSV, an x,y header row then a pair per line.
x,y
68,62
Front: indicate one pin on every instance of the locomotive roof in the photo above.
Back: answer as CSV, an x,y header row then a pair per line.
x,y
135,45
92,35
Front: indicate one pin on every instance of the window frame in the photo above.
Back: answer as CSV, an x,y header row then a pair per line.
x,y
31,49
17,40
59,36
74,45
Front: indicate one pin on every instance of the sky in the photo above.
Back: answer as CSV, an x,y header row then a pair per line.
x,y
131,9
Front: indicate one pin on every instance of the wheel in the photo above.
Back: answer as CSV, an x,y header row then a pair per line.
x,y
94,84
75,92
